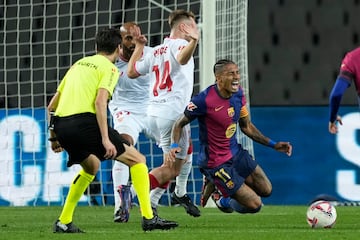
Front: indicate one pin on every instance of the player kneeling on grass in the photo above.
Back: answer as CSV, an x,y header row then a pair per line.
x,y
220,109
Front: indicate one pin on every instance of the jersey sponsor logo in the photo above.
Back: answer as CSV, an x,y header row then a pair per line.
x,y
231,112
218,108
230,131
191,106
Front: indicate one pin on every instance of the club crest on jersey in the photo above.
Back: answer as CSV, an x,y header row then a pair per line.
x,y
231,112
230,184
191,106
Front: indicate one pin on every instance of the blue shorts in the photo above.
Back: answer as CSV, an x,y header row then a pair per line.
x,y
229,176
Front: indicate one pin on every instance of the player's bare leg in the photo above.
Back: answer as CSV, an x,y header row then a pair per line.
x,y
259,182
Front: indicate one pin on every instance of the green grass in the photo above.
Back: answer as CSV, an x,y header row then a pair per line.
x,y
273,222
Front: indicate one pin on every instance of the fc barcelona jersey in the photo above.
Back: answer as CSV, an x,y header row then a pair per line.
x,y
218,121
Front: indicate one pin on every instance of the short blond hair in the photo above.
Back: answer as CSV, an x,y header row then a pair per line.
x,y
179,15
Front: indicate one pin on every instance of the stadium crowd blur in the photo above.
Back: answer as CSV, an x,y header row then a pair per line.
x,y
294,51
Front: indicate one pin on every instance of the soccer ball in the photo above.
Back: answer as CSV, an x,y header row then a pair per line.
x,y
321,214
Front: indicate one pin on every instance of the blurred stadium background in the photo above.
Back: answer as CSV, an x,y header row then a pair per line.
x,y
293,45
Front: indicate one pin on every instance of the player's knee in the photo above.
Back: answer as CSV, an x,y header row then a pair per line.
x,y
251,207
254,206
265,190
255,210
139,158
91,164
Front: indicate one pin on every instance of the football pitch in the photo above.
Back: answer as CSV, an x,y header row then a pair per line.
x,y
273,222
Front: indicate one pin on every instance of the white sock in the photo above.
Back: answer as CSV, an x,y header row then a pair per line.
x,y
133,192
155,196
181,180
120,175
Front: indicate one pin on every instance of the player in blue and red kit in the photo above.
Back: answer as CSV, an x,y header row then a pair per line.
x,y
349,72
220,109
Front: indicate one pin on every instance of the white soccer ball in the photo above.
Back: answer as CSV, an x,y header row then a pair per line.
x,y
321,214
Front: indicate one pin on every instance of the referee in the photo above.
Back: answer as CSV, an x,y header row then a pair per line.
x,y
78,124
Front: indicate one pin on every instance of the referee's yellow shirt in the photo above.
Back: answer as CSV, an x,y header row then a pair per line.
x,y
78,89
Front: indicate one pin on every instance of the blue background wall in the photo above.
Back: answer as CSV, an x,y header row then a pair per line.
x,y
321,163
312,169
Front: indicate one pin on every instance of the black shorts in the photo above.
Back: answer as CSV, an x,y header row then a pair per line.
x,y
80,136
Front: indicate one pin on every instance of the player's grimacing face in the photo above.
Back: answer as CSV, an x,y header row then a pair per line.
x,y
229,78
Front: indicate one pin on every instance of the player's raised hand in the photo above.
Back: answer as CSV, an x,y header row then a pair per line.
x,y
333,129
192,32
138,38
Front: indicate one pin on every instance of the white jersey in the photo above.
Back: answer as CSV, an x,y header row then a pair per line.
x,y
130,95
171,83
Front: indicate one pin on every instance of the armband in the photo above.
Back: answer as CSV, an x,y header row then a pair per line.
x,y
51,122
174,145
271,143
52,139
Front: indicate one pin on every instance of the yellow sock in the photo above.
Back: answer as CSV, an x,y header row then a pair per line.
x,y
141,183
77,189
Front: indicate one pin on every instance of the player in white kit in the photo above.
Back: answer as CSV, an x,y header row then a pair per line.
x,y
128,108
171,69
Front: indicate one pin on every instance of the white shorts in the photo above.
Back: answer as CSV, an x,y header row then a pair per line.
x,y
162,127
133,124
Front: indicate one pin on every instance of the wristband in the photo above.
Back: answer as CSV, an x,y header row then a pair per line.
x,y
52,139
271,143
174,145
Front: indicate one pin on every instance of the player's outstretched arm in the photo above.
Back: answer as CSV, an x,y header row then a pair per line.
x,y
175,137
250,130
